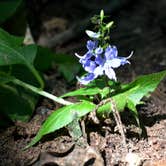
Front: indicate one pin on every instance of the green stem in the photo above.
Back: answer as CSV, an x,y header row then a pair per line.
x,y
107,85
41,92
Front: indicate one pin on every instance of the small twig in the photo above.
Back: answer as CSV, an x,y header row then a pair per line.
x,y
116,115
118,121
93,116
82,123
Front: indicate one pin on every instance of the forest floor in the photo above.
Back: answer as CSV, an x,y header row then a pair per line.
x,y
141,27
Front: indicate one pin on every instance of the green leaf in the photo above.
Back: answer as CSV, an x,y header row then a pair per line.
x,y
131,94
17,60
104,92
83,92
133,110
8,8
16,102
4,78
62,117
67,65
10,40
95,87
12,53
22,55
44,59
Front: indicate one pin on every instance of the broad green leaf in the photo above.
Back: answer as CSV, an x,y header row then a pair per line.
x,y
62,117
132,93
91,90
67,65
97,83
133,110
16,60
5,78
44,59
8,8
83,92
10,40
22,55
12,53
16,102
105,92
29,53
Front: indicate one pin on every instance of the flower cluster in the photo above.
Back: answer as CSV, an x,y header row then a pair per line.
x,y
98,61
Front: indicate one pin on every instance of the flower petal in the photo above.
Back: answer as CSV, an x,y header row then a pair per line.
x,y
109,72
91,45
98,71
89,66
114,63
99,60
123,60
93,34
88,55
98,50
111,52
86,79
77,55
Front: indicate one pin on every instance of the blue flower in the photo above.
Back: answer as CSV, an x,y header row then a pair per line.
x,y
111,52
89,66
86,79
98,62
91,45
98,50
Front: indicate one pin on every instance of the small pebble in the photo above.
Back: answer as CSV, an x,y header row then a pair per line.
x,y
133,159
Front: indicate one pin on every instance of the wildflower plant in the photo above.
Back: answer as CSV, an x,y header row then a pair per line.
x,y
101,93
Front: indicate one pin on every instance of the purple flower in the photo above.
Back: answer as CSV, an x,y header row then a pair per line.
x,y
108,70
111,52
98,62
86,79
89,66
91,45
111,55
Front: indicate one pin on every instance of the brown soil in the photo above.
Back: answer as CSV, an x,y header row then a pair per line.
x,y
141,27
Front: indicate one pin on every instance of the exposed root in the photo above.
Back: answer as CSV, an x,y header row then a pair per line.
x,y
118,122
116,115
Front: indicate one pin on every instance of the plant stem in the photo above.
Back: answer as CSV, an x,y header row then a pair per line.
x,y
41,92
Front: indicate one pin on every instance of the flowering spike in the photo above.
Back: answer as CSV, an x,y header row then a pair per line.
x,y
100,58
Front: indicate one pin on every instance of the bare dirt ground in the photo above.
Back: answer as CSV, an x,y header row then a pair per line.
x,y
140,27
